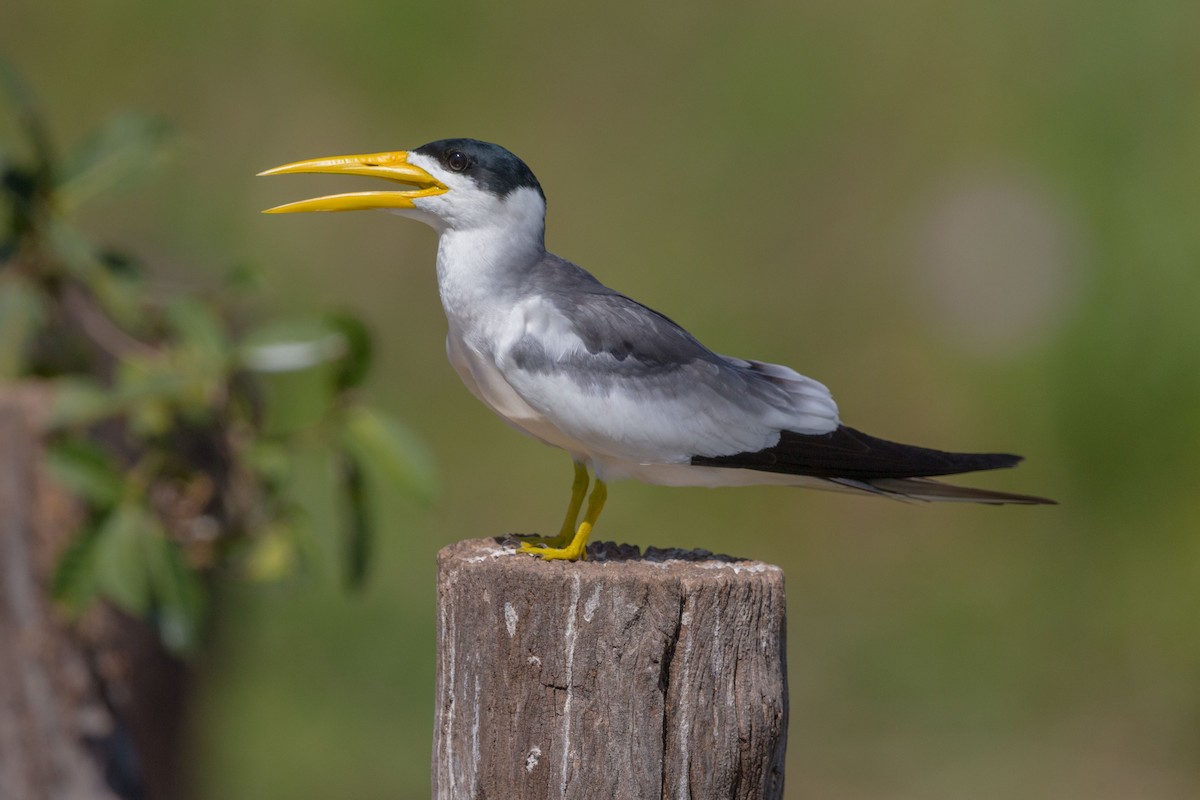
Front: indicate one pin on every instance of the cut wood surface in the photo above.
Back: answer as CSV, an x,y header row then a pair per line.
x,y
656,675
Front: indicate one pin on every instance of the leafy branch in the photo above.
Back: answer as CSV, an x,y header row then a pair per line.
x,y
176,420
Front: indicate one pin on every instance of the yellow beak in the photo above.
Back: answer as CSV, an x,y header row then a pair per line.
x,y
393,166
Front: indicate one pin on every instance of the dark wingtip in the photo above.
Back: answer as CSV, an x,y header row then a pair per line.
x,y
932,490
1000,460
1025,499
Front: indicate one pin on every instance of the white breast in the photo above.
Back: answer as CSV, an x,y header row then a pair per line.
x,y
481,376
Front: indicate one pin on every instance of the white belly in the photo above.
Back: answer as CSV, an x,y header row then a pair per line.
x,y
478,371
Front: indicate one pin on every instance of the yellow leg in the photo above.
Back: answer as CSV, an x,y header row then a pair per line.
x,y
576,548
579,489
567,532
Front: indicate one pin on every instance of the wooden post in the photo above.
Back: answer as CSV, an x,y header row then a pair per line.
x,y
626,676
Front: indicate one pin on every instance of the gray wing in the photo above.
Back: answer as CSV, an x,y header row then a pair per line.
x,y
626,381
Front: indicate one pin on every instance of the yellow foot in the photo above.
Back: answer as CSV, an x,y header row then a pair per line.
x,y
571,545
550,550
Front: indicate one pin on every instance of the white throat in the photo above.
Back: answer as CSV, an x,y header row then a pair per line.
x,y
482,266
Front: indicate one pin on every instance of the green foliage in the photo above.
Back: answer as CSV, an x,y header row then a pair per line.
x,y
389,451
87,470
124,150
175,427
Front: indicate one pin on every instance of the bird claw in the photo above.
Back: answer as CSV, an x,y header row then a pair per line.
x,y
572,551
537,538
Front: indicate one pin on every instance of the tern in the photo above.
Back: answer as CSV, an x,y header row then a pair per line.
x,y
622,388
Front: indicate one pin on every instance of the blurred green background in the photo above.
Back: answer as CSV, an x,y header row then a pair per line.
x,y
978,223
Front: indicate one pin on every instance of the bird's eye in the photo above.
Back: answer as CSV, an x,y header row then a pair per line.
x,y
457,161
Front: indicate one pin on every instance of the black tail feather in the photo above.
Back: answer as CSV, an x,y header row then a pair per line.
x,y
847,453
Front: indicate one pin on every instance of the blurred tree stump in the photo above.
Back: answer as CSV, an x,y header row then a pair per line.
x,y
626,676
89,711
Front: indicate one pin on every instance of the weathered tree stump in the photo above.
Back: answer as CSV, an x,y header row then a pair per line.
x,y
88,711
47,707
626,676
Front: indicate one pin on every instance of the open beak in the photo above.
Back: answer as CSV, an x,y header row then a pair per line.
x,y
392,166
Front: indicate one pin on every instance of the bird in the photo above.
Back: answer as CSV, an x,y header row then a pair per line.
x,y
622,388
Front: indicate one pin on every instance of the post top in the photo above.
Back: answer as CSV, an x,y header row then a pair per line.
x,y
605,559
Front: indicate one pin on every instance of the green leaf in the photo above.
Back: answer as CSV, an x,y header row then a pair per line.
x,y
271,461
147,389
295,366
74,250
28,116
86,470
273,554
141,571
22,309
120,552
357,531
79,401
356,363
311,556
201,354
292,346
388,450
178,595
150,416
74,581
124,150
198,328
121,293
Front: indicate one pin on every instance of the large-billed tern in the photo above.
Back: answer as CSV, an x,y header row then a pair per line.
x,y
623,389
